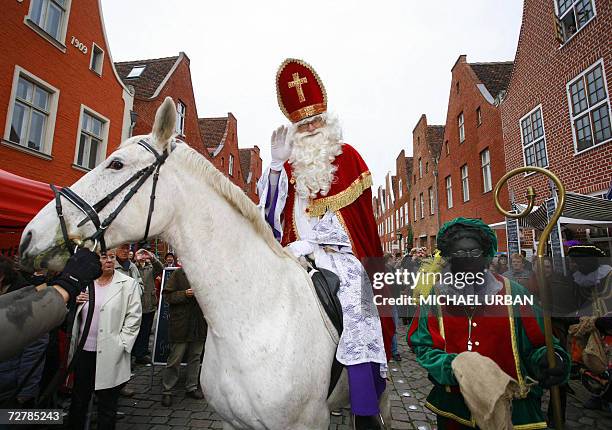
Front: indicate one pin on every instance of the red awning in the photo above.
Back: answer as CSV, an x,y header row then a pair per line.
x,y
20,200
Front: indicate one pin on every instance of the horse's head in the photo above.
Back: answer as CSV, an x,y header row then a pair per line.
x,y
43,244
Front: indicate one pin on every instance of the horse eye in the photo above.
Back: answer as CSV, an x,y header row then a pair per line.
x,y
116,165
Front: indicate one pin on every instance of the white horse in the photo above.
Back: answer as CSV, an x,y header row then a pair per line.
x,y
269,348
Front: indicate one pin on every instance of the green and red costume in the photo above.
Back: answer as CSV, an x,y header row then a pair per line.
x,y
511,335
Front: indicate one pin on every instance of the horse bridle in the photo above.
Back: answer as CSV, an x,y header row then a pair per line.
x,y
92,212
92,215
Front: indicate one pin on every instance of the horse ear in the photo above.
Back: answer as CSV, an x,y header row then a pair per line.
x,y
165,122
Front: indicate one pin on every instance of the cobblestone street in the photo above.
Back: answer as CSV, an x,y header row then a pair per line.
x,y
409,383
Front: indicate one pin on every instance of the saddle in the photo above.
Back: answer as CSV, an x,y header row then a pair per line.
x,y
326,284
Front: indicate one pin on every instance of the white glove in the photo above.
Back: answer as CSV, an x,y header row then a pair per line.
x,y
299,248
281,148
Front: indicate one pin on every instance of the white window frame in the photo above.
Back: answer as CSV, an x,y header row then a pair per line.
x,y
400,188
180,118
449,191
141,68
47,146
420,168
94,46
465,183
485,169
567,12
60,42
422,205
478,117
534,141
104,145
414,208
432,209
589,108
461,127
231,165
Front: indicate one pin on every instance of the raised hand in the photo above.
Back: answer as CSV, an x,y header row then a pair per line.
x,y
281,147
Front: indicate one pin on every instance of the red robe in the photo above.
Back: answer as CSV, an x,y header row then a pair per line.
x,y
350,197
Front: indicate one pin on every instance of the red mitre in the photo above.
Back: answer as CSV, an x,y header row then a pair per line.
x,y
299,90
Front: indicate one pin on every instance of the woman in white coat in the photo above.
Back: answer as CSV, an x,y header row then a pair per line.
x,y
104,364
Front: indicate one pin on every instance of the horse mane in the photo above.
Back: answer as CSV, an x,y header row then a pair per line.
x,y
230,192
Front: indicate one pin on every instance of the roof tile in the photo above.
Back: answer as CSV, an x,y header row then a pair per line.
x,y
152,76
494,76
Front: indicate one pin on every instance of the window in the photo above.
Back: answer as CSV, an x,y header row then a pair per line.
x,y
136,72
97,59
573,15
401,217
414,179
465,183
420,168
400,187
449,192
589,108
478,117
461,125
406,212
485,164
533,137
426,167
431,201
181,109
422,205
414,210
33,113
49,15
446,148
231,165
91,149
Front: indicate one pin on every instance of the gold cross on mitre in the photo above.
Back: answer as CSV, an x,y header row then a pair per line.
x,y
297,83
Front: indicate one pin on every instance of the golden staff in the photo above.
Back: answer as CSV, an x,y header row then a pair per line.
x,y
541,252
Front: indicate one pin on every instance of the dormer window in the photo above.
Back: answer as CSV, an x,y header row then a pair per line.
x,y
136,72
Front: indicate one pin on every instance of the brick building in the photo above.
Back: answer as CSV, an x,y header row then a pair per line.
x,y
250,164
215,138
383,214
401,191
155,79
557,110
62,104
426,144
242,166
472,156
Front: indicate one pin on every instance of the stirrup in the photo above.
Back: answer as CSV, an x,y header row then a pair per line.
x,y
379,418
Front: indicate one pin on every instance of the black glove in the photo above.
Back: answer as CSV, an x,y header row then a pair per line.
x,y
552,376
82,268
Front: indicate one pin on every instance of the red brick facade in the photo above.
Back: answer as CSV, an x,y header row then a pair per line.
x,y
543,68
546,67
161,78
250,162
472,106
426,144
220,138
56,64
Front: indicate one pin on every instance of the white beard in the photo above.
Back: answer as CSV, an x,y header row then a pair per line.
x,y
311,160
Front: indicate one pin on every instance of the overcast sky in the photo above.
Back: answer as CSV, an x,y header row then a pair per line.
x,y
383,63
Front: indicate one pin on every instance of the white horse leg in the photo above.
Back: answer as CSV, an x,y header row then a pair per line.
x,y
385,407
227,426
